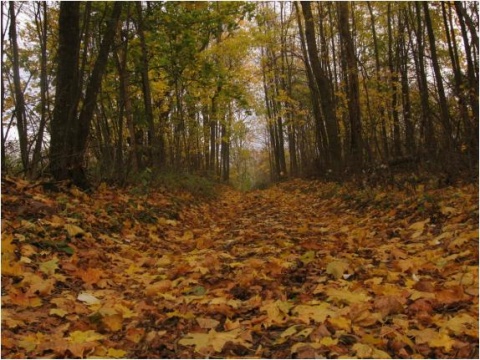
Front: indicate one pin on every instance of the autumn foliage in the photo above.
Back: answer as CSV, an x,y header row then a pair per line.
x,y
302,269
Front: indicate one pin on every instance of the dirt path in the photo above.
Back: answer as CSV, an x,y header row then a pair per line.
x,y
303,269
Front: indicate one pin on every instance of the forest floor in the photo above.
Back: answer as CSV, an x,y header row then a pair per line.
x,y
303,269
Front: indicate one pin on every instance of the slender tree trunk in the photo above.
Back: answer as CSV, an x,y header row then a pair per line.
x,y
393,80
155,148
323,85
42,34
93,86
3,139
19,98
444,114
472,70
406,105
320,131
379,86
428,135
353,96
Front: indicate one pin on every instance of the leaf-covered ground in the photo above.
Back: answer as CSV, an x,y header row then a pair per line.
x,y
303,269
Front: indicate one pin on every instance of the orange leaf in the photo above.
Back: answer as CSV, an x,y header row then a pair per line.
x,y
21,299
113,322
135,334
90,276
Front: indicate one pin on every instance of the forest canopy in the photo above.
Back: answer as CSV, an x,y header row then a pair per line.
x,y
242,92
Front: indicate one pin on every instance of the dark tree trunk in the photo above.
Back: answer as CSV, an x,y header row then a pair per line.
x,y
154,147
93,87
19,98
42,32
324,89
353,96
444,115
69,134
320,132
428,135
63,122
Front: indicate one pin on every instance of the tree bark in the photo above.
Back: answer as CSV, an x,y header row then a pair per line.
x,y
63,130
444,114
19,98
323,86
353,96
93,87
42,34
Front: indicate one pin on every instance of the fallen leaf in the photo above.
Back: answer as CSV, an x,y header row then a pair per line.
x,y
88,299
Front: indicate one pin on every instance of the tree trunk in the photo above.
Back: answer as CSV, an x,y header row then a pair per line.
x,y
444,115
379,86
93,87
69,134
63,129
19,98
154,147
42,34
427,132
323,86
320,131
353,96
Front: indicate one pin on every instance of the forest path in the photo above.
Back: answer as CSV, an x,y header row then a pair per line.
x,y
301,269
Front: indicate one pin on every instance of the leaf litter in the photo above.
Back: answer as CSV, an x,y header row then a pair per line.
x,y
303,269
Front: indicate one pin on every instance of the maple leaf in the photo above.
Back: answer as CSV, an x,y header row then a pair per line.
x,y
207,323
49,267
212,339
113,322
433,338
90,276
30,341
317,313
116,353
346,296
24,299
74,230
337,268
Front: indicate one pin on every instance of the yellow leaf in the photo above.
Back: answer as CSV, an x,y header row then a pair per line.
x,y
73,230
11,268
7,246
337,268
214,339
345,296
317,313
328,341
116,353
78,337
49,267
362,351
289,331
419,225
458,324
340,323
58,312
126,312
308,257
30,341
